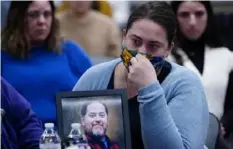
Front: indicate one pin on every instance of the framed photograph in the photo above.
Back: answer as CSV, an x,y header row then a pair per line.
x,y
102,114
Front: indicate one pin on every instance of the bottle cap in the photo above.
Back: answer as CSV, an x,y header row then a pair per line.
x,y
49,125
75,125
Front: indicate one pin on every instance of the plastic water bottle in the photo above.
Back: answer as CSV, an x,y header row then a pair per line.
x,y
50,138
77,137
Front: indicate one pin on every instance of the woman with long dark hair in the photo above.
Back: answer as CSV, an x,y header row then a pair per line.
x,y
166,101
35,60
201,50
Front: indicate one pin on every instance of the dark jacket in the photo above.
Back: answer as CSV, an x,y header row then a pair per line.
x,y
227,118
20,127
224,22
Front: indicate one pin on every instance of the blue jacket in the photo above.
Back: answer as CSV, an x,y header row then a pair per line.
x,y
174,114
20,127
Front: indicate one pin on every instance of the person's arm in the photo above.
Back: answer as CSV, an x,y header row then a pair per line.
x,y
79,61
114,40
27,126
182,123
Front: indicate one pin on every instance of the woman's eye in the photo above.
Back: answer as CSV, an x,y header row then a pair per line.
x,y
184,14
152,47
199,13
137,42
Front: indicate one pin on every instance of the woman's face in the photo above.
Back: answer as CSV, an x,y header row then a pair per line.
x,y
147,37
192,18
39,20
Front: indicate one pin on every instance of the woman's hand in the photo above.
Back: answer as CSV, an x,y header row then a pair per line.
x,y
141,71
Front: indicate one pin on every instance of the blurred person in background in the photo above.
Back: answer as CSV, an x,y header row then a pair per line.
x,y
20,128
166,101
94,31
201,50
35,60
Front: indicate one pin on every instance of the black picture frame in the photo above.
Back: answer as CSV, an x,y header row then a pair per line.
x,y
79,95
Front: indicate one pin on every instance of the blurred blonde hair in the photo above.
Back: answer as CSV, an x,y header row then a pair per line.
x,y
103,7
